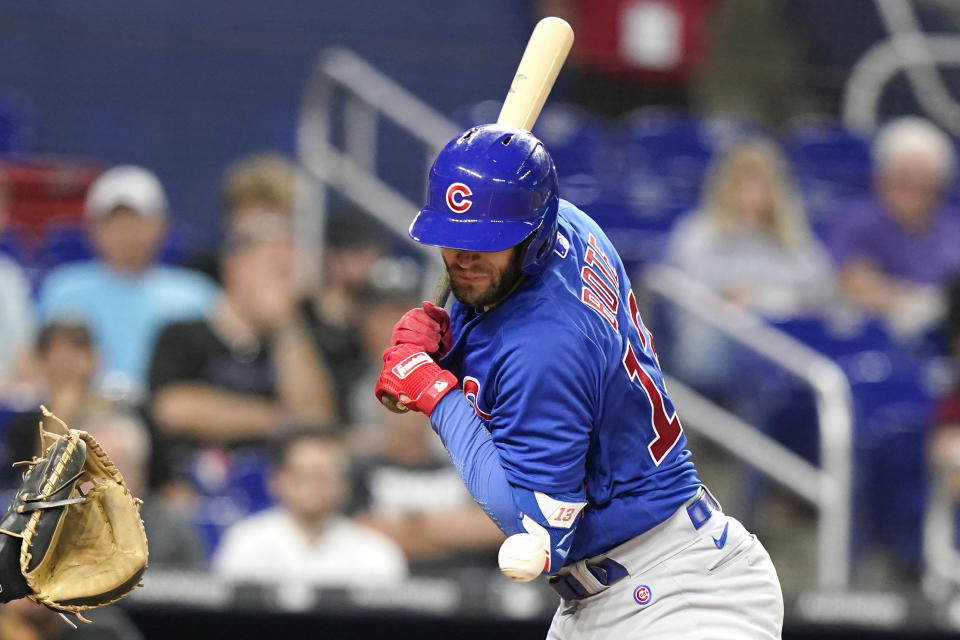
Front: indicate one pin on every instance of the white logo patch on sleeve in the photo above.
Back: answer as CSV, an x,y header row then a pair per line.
x,y
558,513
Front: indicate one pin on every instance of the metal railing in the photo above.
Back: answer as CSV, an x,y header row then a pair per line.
x,y
828,487
367,97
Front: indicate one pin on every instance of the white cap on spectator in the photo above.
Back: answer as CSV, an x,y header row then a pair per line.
x,y
126,186
912,135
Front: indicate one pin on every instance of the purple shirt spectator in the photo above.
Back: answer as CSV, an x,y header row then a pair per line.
x,y
865,230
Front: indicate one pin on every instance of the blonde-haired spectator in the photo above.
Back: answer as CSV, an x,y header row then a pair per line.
x,y
896,249
254,190
750,240
260,183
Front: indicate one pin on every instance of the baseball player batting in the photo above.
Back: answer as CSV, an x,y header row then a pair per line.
x,y
544,385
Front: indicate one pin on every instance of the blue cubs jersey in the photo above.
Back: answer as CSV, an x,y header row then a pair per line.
x,y
564,376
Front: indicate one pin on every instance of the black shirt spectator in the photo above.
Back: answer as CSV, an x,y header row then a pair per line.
x,y
192,351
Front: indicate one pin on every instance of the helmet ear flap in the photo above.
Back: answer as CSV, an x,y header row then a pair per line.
x,y
538,245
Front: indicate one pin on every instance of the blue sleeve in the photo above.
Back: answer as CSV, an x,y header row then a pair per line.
x,y
547,387
552,518
476,459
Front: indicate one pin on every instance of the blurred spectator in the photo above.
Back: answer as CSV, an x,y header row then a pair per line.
x,y
260,190
751,243
66,360
25,619
16,314
896,250
250,366
173,542
253,187
338,306
750,240
305,537
123,294
410,492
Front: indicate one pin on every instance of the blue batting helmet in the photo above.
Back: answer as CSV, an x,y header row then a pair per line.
x,y
490,189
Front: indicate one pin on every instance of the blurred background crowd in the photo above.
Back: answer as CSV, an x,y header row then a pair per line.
x,y
157,290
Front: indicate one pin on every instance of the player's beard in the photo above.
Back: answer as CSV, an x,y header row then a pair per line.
x,y
501,283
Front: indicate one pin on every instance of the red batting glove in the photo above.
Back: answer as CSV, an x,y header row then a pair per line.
x,y
413,377
428,328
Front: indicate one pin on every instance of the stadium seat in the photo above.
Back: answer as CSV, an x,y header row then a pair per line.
x,y
64,244
676,149
578,142
14,245
231,485
892,414
830,166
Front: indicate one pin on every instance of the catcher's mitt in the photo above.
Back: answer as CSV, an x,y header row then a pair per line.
x,y
73,538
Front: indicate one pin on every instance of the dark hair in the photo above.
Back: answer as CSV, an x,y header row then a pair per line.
x,y
76,331
284,442
353,228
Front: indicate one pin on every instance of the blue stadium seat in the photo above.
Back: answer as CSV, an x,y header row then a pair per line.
x,y
60,245
174,247
577,141
248,480
15,127
830,164
676,149
892,415
640,235
12,244
232,485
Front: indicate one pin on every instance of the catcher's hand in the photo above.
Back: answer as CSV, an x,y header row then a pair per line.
x,y
73,538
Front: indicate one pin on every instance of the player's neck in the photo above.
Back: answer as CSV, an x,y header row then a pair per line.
x,y
509,293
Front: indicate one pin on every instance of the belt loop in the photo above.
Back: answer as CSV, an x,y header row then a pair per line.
x,y
586,578
712,497
702,507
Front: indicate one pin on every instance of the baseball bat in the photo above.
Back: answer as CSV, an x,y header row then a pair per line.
x,y
542,60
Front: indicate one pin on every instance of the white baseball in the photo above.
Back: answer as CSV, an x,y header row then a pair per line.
x,y
522,557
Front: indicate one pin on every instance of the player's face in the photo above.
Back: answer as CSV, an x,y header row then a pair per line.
x,y
481,279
